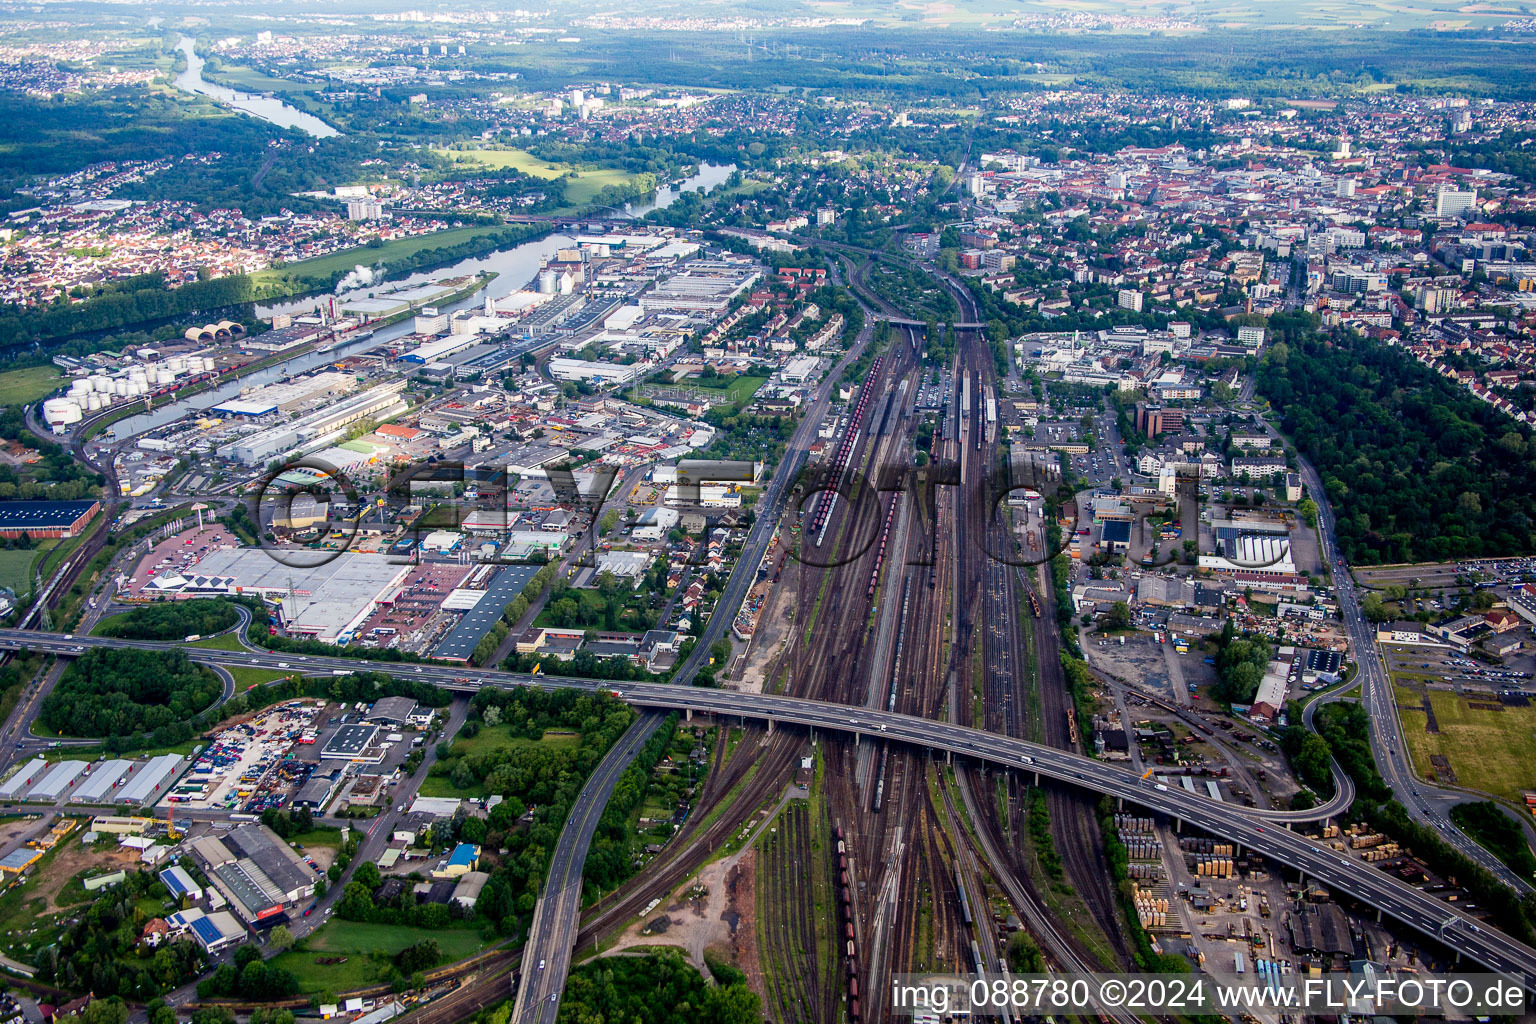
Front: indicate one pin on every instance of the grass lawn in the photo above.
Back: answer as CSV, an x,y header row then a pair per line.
x,y
19,387
493,736
325,266
324,835
222,642
586,185
251,80
16,570
247,677
739,388
356,942
1490,751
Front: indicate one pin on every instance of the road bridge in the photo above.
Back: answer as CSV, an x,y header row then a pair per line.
x,y
1265,831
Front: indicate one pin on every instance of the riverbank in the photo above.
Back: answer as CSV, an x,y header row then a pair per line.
x,y
482,279
391,260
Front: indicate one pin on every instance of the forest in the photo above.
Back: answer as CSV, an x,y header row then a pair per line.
x,y
1417,468
657,989
131,301
125,692
172,620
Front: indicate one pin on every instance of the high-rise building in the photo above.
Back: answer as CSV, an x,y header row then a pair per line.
x,y
1452,202
1130,299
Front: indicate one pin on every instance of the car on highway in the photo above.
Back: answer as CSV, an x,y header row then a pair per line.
x,y
541,965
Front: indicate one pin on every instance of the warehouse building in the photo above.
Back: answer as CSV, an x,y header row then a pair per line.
x,y
23,779
45,518
324,602
181,885
256,872
98,788
461,641
318,428
152,781
354,742
57,781
217,932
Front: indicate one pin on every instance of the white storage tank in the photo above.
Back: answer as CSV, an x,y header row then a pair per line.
x,y
208,364
60,412
547,282
120,387
80,386
100,383
93,402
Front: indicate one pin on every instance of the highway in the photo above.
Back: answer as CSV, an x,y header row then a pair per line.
x,y
550,935
1425,802
1261,830
557,916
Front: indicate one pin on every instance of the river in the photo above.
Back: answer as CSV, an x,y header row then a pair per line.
x,y
515,267
264,107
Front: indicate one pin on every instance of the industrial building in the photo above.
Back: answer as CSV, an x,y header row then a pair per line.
x,y
216,932
354,742
255,871
597,373
325,602
45,518
57,782
152,781
22,779
180,884
289,395
98,788
1250,547
317,429
477,621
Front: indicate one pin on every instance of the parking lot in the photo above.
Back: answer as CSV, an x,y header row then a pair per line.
x,y
256,764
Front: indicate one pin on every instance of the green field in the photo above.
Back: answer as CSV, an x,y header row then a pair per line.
x,y
740,388
18,387
582,189
16,570
1490,751
247,677
492,736
219,642
322,267
357,942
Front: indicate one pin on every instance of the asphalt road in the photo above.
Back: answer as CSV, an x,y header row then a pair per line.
x,y
1260,830
1427,803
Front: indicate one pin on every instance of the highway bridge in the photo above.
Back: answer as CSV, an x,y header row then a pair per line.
x,y
1264,831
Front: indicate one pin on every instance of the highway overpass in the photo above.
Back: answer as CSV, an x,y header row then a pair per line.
x,y
1260,830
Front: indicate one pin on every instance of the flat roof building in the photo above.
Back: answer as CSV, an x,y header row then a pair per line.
x,y
217,932
98,788
352,742
461,641
45,518
152,781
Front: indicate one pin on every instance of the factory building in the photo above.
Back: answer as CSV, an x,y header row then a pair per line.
x,y
316,429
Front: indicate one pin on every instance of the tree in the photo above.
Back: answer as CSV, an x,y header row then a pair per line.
x,y
280,938
105,1011
368,874
1024,955
1118,616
